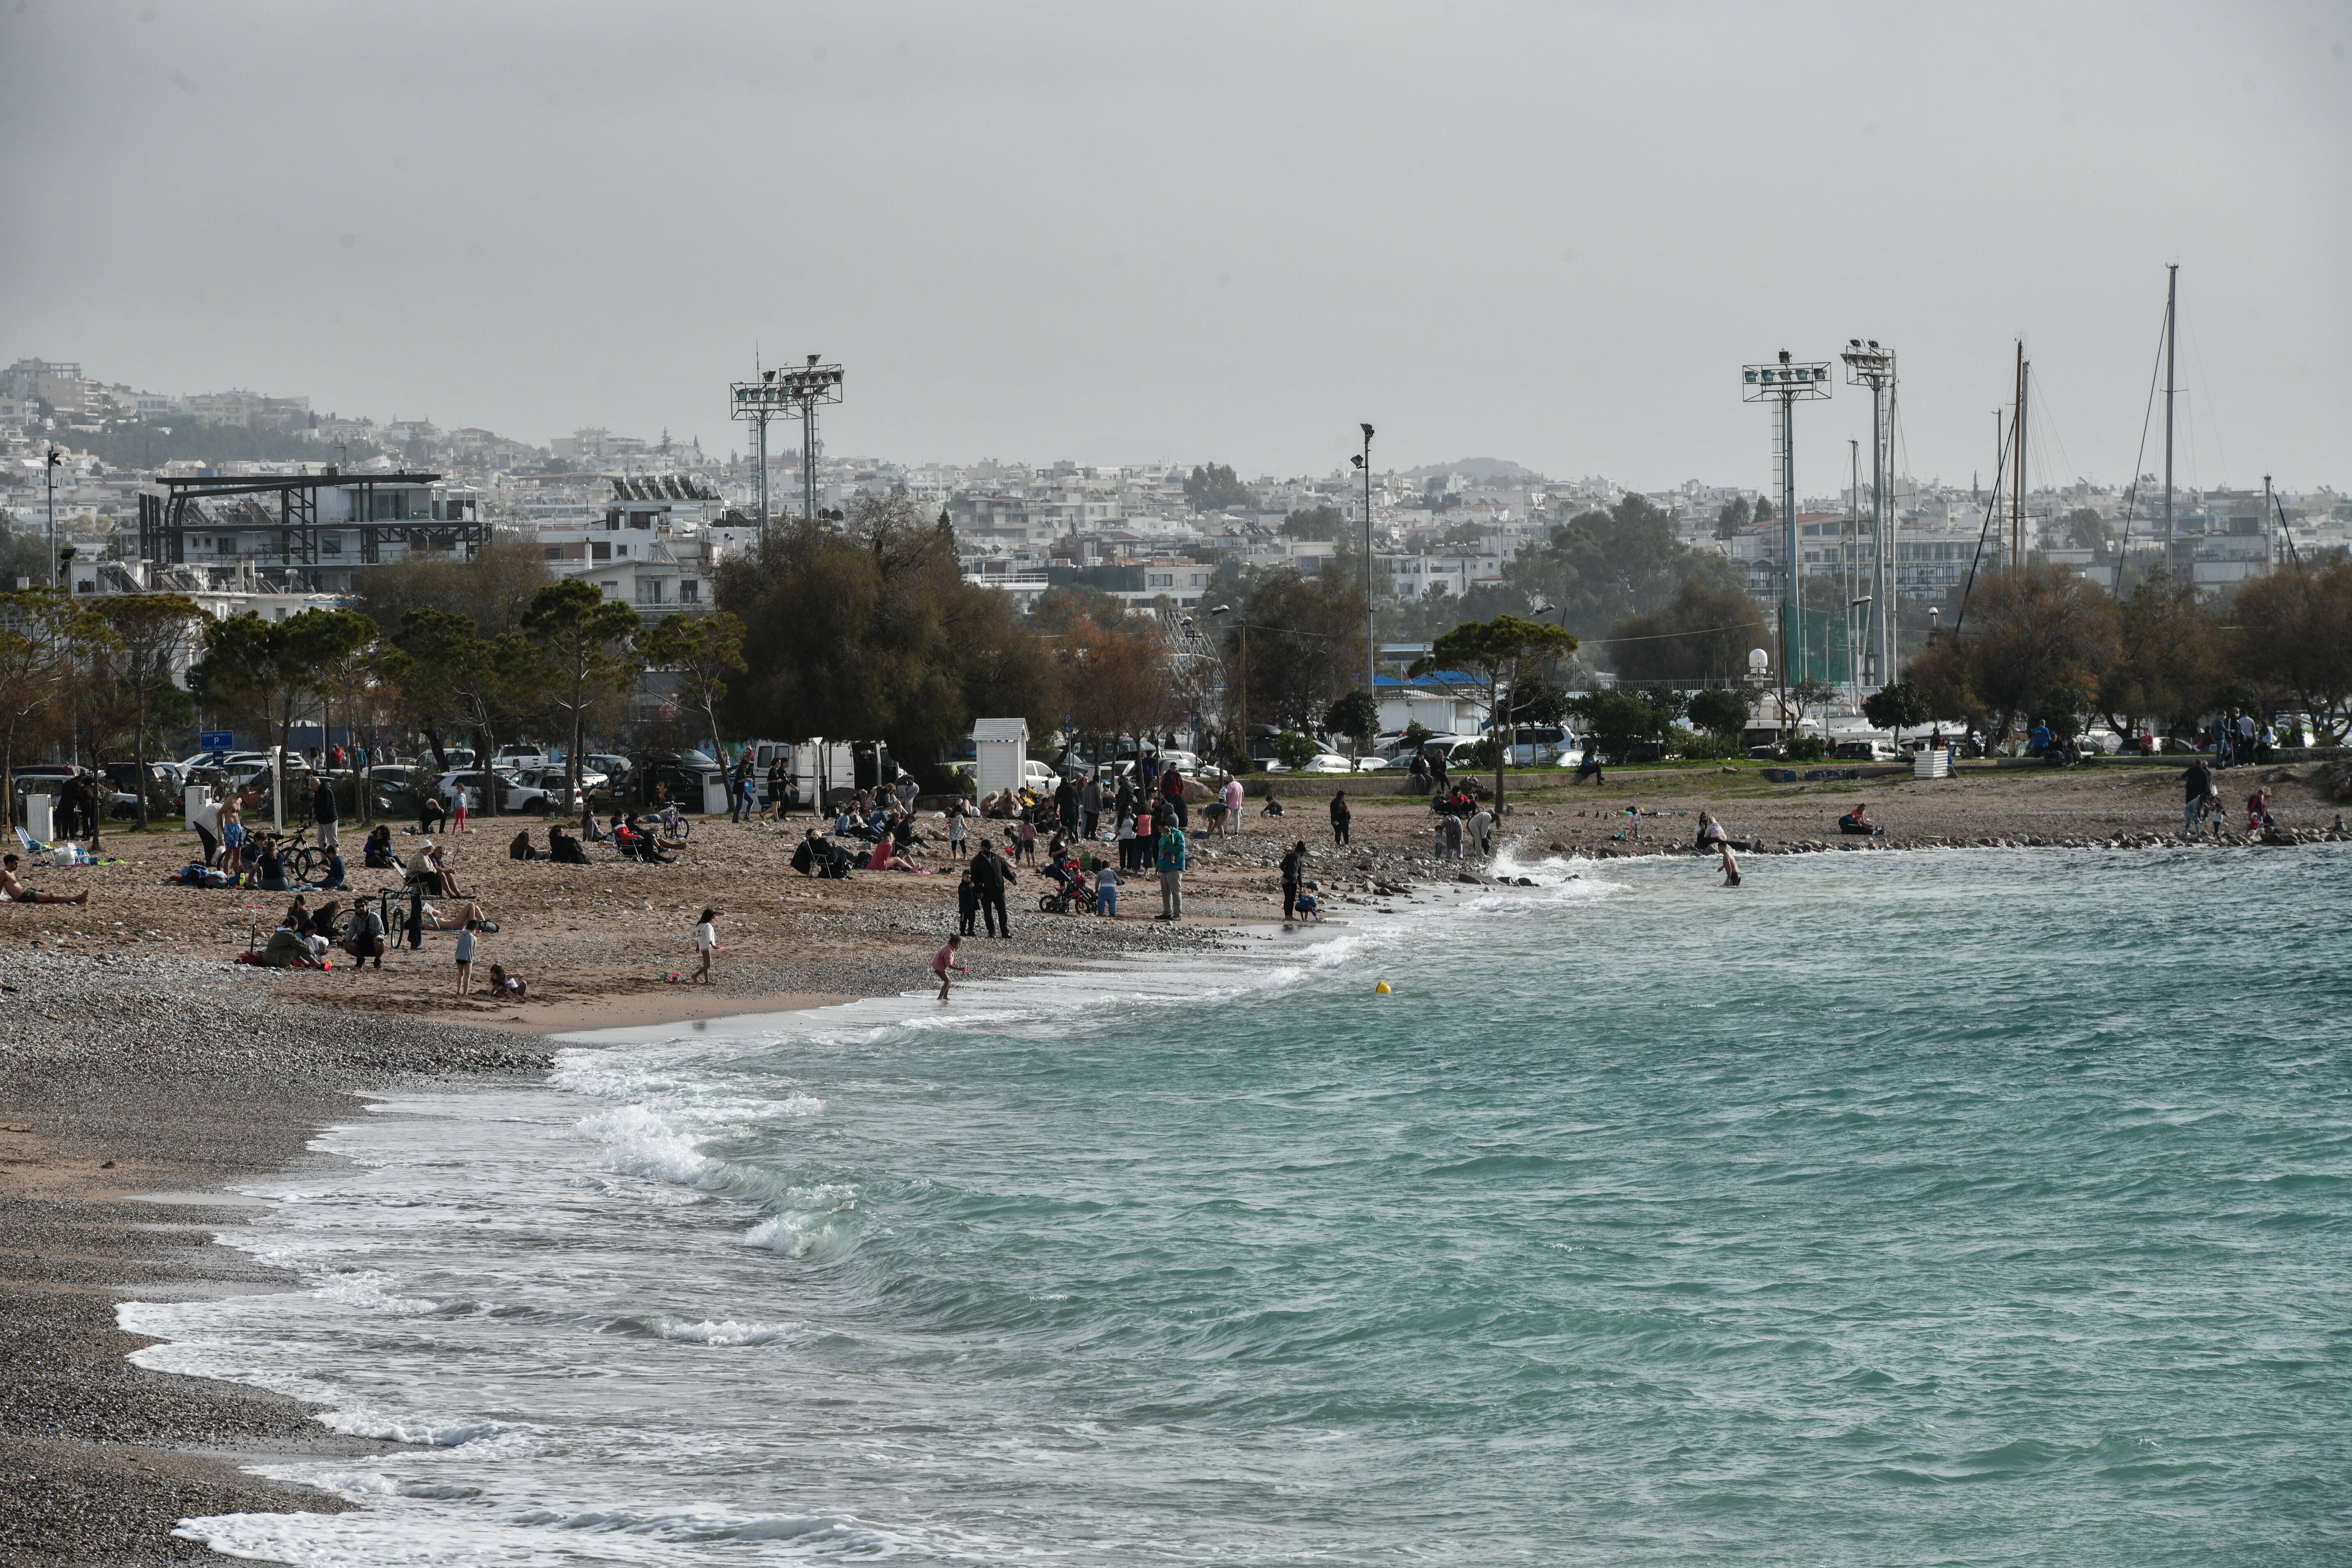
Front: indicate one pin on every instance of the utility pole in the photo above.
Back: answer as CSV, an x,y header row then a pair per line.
x,y
1244,695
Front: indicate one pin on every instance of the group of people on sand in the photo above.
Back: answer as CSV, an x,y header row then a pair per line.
x,y
2202,810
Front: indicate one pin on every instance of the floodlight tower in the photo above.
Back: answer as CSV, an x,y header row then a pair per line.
x,y
805,388
757,401
1874,367
1788,384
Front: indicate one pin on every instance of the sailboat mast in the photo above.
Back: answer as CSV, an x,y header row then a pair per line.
x,y
2171,340
2017,485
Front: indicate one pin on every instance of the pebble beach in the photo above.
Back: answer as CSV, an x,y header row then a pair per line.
x,y
136,1058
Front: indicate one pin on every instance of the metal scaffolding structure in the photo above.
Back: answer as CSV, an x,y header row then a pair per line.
x,y
287,505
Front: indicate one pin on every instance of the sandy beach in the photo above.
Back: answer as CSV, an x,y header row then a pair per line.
x,y
135,1059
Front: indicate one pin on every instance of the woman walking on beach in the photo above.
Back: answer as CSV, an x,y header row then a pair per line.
x,y
706,942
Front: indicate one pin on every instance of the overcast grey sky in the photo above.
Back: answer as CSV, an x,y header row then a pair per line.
x,y
1124,233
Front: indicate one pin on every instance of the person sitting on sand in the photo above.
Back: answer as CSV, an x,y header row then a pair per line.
x,y
522,848
883,860
1857,821
17,893
505,984
564,849
1710,833
376,853
429,870
465,914
290,949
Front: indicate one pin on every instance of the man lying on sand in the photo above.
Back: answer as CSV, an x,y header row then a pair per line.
x,y
17,893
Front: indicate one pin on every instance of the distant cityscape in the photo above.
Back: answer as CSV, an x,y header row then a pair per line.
x,y
650,518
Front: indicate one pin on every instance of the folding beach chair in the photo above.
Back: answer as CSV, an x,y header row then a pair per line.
x,y
36,852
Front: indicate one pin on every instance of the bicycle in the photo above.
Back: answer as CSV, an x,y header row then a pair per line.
x,y
673,823
302,861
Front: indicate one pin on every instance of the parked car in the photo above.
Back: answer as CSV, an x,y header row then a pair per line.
x,y
1333,762
521,756
162,786
515,797
554,779
658,777
1866,752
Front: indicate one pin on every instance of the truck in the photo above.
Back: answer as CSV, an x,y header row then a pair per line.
x,y
821,773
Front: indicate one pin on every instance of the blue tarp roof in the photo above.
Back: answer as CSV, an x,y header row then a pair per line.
x,y
1435,677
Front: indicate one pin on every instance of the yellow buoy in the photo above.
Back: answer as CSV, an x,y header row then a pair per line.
x,y
1382,989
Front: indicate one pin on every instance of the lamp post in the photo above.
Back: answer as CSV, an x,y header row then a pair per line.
x,y
1787,383
757,401
1224,610
55,458
1363,460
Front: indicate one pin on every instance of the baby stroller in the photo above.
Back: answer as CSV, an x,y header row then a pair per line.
x,y
1074,896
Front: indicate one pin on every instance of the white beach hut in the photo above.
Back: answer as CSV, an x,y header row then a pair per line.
x,y
1001,746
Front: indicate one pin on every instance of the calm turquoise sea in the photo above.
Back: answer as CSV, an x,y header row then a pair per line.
x,y
1893,1209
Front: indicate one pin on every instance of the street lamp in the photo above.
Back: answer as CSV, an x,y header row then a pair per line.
x,y
56,459
1224,610
1363,461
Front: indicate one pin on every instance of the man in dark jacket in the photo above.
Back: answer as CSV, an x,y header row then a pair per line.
x,y
322,810
2197,782
990,875
1294,872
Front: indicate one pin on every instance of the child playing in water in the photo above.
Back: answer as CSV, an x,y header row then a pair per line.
x,y
944,960
1730,864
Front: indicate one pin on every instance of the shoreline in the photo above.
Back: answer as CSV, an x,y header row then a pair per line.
x,y
105,1106
126,1069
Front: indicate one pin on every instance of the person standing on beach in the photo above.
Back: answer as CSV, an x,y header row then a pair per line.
x,y
1106,890
322,811
967,905
465,939
1170,852
1294,871
989,876
1340,818
2197,782
706,942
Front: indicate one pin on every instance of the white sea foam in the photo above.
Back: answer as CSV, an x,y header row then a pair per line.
x,y
705,1332
639,1143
